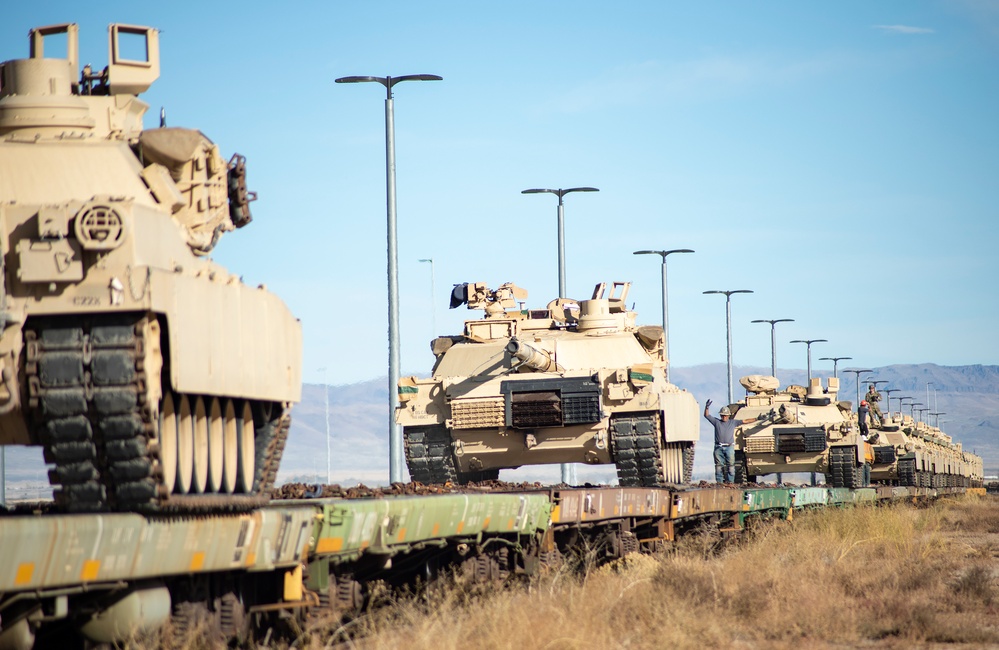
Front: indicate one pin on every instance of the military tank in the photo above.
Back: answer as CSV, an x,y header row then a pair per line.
x,y
125,352
799,429
924,456
576,382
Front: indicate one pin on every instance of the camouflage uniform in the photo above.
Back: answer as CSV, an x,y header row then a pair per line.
x,y
873,397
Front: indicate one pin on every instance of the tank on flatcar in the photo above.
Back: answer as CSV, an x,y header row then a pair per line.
x,y
151,376
925,456
576,382
799,429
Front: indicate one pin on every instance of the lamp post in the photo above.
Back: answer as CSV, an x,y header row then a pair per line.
x,y
936,421
728,330
808,344
773,340
858,373
928,384
433,304
923,410
665,299
396,460
888,392
835,360
561,228
326,402
912,408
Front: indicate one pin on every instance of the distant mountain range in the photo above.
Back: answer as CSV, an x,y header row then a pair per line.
x,y
358,416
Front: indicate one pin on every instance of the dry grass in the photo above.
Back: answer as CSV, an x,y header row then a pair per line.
x,y
886,577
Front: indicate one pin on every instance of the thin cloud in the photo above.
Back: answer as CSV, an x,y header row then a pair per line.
x,y
904,29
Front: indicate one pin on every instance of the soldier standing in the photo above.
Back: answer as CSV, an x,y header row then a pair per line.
x,y
873,397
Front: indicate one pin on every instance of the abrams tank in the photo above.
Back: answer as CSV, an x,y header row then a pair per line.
x,y
127,354
576,382
799,429
921,456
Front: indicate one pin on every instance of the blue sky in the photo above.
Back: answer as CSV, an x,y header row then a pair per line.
x,y
839,159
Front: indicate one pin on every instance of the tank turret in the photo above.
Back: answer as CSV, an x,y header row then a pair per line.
x,y
108,358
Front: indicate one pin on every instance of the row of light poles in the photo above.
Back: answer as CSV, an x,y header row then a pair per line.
x,y
396,461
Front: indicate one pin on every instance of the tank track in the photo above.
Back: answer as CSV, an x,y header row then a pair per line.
x,y
428,455
688,462
637,450
843,469
907,471
87,391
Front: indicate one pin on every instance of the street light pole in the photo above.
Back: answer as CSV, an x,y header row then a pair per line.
x,y
888,392
937,415
728,331
329,454
808,345
396,460
835,360
858,373
923,410
665,300
928,384
912,409
773,340
433,303
561,228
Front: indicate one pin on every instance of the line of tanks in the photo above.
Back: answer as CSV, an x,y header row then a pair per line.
x,y
136,362
580,382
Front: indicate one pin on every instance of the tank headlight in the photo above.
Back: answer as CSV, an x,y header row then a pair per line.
x,y
99,227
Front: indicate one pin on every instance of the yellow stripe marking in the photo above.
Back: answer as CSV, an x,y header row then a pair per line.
x,y
402,534
90,570
197,561
556,511
329,545
24,573
509,524
485,524
461,526
437,529
251,559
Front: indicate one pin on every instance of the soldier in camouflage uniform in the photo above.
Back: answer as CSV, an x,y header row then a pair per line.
x,y
873,397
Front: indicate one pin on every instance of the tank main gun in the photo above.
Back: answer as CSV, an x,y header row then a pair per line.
x,y
531,356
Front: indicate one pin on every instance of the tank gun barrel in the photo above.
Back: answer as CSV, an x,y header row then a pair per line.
x,y
531,356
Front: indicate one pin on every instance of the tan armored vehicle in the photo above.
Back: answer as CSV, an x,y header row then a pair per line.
x,y
799,429
925,456
151,376
576,382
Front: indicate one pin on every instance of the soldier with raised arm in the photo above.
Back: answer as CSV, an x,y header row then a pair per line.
x,y
724,441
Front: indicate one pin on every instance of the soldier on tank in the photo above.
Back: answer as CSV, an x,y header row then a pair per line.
x,y
724,441
862,414
873,397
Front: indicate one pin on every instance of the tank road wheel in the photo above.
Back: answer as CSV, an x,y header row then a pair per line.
x,y
230,450
636,449
168,442
245,432
429,455
185,447
678,462
200,423
216,461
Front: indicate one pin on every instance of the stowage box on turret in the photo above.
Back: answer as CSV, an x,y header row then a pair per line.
x,y
134,360
572,383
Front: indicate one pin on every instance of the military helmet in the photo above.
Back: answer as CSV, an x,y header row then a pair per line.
x,y
724,411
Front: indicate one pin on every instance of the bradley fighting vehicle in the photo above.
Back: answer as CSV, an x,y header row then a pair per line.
x,y
152,378
577,382
799,429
